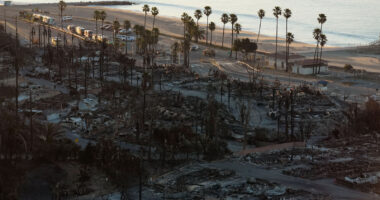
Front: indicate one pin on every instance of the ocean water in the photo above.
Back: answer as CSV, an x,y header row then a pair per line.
x,y
349,22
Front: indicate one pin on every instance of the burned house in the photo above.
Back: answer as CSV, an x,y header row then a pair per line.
x,y
281,59
309,66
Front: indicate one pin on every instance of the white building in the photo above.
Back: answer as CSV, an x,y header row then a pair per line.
x,y
309,66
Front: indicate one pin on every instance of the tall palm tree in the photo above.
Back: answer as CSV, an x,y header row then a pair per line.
x,y
317,36
237,30
212,28
322,19
207,11
225,18
175,48
198,15
96,17
287,15
185,19
127,26
116,27
289,40
145,10
261,14
61,6
102,17
276,12
323,41
154,13
233,20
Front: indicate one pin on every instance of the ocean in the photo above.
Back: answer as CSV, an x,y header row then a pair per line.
x,y
349,22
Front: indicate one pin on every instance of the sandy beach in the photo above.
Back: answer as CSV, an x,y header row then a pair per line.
x,y
170,26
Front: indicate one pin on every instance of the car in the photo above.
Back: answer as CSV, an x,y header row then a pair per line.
x,y
121,37
131,38
88,33
100,38
71,28
125,32
122,31
67,18
194,48
79,30
106,27
55,41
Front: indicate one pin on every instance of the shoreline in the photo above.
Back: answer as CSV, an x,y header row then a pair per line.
x,y
264,39
173,27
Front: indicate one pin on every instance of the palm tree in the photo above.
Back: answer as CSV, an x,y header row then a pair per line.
x,y
116,27
145,10
276,13
233,20
287,15
102,17
212,28
237,30
261,14
289,40
184,19
127,26
198,15
207,11
154,13
316,36
322,19
96,17
323,41
175,48
225,18
61,6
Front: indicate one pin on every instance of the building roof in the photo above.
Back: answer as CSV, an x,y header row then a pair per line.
x,y
282,55
311,62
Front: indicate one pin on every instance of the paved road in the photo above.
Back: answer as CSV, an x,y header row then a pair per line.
x,y
325,186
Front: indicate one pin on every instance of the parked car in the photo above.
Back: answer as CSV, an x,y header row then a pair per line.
x,y
121,37
194,48
88,33
131,38
99,38
106,27
71,28
67,18
55,41
79,30
125,32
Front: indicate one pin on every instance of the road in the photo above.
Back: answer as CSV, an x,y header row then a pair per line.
x,y
325,186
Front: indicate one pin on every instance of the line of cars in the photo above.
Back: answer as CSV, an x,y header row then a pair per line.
x,y
43,19
89,34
